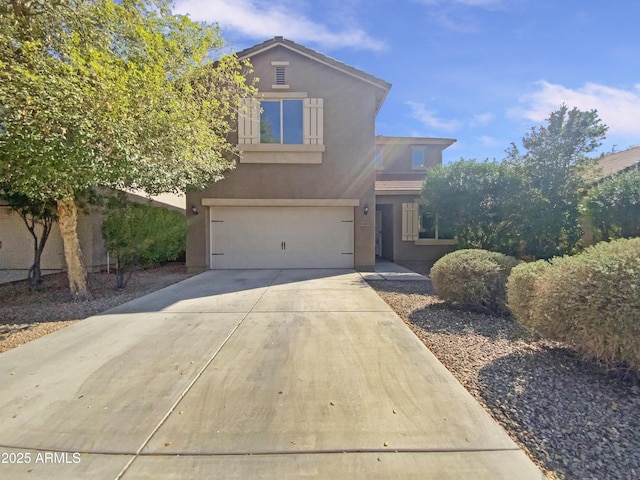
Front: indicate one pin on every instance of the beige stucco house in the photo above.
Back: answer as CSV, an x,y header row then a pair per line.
x,y
306,192
17,245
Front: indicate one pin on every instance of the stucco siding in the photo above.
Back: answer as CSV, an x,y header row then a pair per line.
x,y
16,251
405,250
346,171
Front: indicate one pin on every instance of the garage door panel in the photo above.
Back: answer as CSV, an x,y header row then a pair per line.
x,y
282,237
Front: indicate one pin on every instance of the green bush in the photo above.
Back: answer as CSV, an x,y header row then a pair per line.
x,y
138,234
521,290
592,302
473,279
614,206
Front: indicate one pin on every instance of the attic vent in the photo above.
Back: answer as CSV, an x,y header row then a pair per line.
x,y
281,81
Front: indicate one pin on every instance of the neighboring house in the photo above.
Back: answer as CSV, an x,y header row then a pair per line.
x,y
304,193
609,165
619,162
16,243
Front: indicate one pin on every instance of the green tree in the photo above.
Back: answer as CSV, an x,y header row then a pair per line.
x,y
38,217
613,205
556,169
145,235
121,94
480,200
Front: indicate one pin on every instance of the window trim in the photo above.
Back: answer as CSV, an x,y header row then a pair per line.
x,y
282,120
411,228
435,240
310,151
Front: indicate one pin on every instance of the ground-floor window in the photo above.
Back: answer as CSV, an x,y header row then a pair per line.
x,y
433,226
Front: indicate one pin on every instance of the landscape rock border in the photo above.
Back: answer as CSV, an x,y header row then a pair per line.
x,y
573,418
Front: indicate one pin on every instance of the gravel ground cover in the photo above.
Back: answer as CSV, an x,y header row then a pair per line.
x,y
574,419
25,315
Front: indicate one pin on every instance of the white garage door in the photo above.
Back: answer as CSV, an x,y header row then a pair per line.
x,y
281,237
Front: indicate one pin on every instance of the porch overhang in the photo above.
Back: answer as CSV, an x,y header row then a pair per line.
x,y
398,187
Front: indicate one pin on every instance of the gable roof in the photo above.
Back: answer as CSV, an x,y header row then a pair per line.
x,y
383,86
620,161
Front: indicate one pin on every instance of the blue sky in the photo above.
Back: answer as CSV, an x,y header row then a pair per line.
x,y
481,71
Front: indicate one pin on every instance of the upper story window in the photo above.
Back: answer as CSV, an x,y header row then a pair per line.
x,y
281,121
283,127
379,158
417,158
287,119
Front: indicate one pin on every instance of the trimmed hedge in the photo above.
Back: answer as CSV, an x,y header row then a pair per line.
x,y
590,301
521,290
473,279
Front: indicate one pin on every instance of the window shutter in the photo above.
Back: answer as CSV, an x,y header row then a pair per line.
x,y
249,121
410,230
313,119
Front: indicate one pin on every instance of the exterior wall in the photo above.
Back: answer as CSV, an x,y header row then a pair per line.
x,y
406,250
16,252
16,249
347,168
397,170
396,158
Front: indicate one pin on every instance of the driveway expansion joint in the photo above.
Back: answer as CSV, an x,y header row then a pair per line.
x,y
193,382
330,452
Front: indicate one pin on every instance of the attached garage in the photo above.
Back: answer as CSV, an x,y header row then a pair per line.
x,y
282,236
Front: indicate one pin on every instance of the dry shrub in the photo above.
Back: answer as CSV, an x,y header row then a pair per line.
x,y
521,290
592,302
473,279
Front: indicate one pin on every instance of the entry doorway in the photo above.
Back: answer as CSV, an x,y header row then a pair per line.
x,y
384,231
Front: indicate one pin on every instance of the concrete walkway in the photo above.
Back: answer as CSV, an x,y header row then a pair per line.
x,y
386,270
241,375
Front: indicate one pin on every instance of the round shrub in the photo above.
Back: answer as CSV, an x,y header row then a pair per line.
x,y
473,279
592,302
521,290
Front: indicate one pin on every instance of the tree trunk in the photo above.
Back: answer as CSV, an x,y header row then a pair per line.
x,y
68,223
34,279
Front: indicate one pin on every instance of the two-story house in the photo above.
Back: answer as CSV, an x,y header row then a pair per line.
x,y
305,192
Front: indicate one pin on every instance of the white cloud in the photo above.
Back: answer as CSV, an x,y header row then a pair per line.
x,y
617,108
259,19
459,15
481,119
430,119
488,141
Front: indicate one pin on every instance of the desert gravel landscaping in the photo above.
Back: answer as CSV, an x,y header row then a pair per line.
x,y
574,419
25,316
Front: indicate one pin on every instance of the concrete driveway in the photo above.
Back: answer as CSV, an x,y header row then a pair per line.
x,y
245,374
